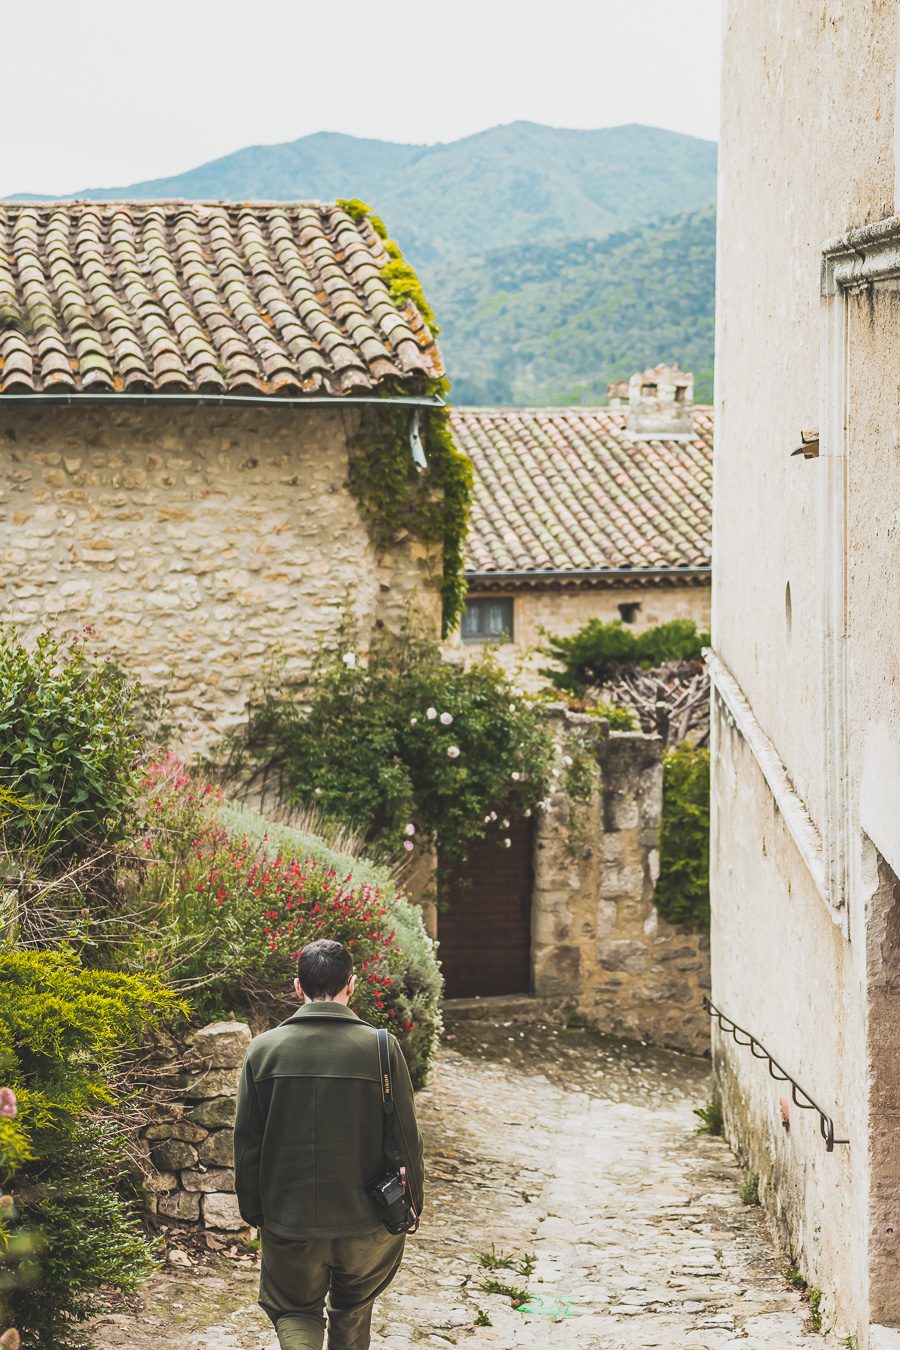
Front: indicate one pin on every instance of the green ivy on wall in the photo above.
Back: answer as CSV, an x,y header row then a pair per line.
x,y
391,495
682,892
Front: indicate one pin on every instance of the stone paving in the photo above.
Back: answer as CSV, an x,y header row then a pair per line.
x,y
573,1157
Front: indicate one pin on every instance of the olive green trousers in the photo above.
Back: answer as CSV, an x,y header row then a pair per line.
x,y
297,1277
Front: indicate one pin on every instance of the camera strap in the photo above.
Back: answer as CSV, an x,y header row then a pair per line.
x,y
389,1109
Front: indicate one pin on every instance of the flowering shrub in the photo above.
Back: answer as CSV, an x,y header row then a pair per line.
x,y
228,910
403,740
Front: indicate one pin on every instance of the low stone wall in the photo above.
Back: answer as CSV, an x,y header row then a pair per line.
x,y
190,1147
599,942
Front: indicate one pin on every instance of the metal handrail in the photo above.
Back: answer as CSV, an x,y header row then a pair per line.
x,y
759,1051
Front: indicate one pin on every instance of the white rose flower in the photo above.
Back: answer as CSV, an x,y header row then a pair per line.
x,y
413,721
568,760
453,751
515,775
349,659
446,719
507,843
410,828
431,713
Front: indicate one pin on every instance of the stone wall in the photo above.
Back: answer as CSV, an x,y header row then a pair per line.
x,y
563,612
194,540
598,939
190,1146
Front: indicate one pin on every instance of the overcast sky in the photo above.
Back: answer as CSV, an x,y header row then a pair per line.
x,y
113,91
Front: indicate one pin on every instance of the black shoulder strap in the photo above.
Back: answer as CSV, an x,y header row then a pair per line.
x,y
384,1063
387,1106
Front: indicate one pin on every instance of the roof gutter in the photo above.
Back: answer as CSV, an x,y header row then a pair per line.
x,y
223,400
557,573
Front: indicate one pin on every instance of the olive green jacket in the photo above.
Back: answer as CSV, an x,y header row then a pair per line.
x,y
309,1133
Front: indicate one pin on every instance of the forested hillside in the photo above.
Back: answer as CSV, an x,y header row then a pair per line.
x,y
549,324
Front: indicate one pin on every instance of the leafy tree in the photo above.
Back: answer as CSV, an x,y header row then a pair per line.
x,y
593,655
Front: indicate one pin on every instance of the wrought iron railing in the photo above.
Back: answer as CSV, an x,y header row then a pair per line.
x,y
757,1049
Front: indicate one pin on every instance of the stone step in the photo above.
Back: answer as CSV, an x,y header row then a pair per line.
x,y
499,1007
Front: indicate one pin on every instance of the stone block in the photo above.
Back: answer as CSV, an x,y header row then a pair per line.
x,y
179,1205
222,1044
218,1148
184,1130
220,1210
160,1182
170,1155
212,1083
621,954
559,973
213,1179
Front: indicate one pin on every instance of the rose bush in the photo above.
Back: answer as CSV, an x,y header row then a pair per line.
x,y
228,902
397,737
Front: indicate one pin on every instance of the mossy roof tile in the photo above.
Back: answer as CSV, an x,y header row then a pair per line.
x,y
191,297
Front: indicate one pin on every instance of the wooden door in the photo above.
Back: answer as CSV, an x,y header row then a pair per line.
x,y
484,925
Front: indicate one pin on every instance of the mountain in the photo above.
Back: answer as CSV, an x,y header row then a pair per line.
x,y
518,208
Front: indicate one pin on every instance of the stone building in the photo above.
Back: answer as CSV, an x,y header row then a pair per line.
x,y
806,660
583,513
185,393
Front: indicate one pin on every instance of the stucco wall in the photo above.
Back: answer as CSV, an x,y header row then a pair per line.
x,y
598,940
563,612
194,540
807,153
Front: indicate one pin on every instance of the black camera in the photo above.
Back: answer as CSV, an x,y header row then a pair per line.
x,y
392,1198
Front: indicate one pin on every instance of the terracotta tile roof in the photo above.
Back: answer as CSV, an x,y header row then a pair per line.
x,y
213,298
565,490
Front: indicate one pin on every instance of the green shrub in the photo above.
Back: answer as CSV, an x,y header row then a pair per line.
x,y
228,899
61,1028
593,655
682,891
403,744
70,744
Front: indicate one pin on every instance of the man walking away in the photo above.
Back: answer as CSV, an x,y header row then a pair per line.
x,y
309,1139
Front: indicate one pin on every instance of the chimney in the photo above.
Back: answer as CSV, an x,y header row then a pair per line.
x,y
659,405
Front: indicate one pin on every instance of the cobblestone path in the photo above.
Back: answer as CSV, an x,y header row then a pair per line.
x,y
563,1147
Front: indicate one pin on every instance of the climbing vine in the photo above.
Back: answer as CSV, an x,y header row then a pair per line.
x,y
391,495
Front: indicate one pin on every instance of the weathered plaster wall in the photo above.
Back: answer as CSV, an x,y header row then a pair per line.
x,y
193,540
562,613
806,153
783,971
598,940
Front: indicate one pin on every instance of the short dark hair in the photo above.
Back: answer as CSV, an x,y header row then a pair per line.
x,y
324,968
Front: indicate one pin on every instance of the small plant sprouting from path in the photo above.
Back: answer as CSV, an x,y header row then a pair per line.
x,y
813,1298
749,1192
710,1116
482,1319
522,1265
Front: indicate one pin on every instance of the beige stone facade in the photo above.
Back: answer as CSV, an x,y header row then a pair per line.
x,y
806,663
598,941
195,539
563,611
